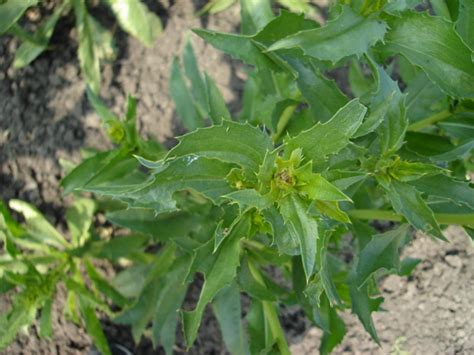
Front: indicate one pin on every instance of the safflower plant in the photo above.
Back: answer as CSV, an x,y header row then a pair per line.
x,y
300,173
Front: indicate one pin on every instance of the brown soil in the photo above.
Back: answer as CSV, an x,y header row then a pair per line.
x,y
44,117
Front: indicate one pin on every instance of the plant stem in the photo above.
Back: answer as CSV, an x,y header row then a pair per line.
x,y
283,121
464,219
428,121
271,314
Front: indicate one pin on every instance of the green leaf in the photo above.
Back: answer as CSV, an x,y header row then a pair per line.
x,y
323,95
255,14
407,201
37,226
336,327
93,327
348,34
392,129
99,107
217,107
162,227
219,142
171,297
11,12
104,286
381,252
206,176
249,198
136,19
303,228
318,188
103,40
363,305
459,126
227,309
465,22
220,274
447,188
182,98
214,6
198,85
29,51
432,50
329,138
46,328
79,219
88,57
141,312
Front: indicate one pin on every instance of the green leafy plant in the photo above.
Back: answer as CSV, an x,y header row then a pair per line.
x,y
95,42
269,202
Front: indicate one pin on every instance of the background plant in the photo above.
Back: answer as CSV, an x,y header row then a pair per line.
x,y
95,42
290,182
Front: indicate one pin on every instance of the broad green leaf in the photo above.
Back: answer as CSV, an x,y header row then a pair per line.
x,y
375,116
260,337
459,126
407,201
162,227
29,51
465,22
249,198
135,18
217,106
121,247
381,252
318,188
11,12
227,309
329,138
409,171
332,210
79,218
251,286
183,99
239,47
348,34
169,301
219,142
324,271
255,14
363,305
93,327
323,95
206,176
448,188
88,56
392,129
221,274
424,99
462,151
37,226
407,266
286,241
432,49
303,228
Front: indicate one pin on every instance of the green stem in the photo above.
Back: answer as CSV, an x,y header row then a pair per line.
x,y
271,314
464,219
19,32
283,121
428,121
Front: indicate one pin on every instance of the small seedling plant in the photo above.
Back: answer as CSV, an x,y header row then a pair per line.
x,y
276,205
95,42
